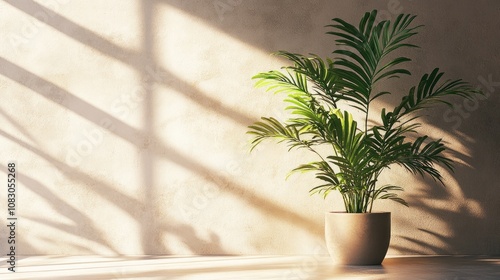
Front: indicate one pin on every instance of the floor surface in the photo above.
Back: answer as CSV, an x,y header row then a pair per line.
x,y
249,267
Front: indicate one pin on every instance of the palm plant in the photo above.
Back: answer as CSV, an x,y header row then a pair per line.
x,y
359,153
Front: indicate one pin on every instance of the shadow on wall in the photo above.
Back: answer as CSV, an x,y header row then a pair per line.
x,y
471,222
459,217
137,208
244,21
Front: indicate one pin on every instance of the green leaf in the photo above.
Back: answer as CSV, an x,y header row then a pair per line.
x,y
353,153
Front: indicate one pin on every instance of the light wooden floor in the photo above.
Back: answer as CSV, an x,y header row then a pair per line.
x,y
249,267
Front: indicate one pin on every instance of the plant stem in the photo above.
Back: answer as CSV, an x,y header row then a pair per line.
x,y
372,188
366,117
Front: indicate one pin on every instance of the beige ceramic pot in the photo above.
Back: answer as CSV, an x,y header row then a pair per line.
x,y
357,238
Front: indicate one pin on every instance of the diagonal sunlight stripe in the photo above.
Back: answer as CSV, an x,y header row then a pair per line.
x,y
67,210
102,188
131,58
80,106
242,191
127,132
124,201
68,27
18,126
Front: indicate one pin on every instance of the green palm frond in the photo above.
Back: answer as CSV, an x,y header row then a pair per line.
x,y
420,159
361,65
323,172
270,128
428,92
279,82
356,155
387,192
318,72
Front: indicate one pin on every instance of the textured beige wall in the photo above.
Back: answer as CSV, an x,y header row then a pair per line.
x,y
127,120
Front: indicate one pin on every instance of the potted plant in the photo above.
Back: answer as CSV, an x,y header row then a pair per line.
x,y
322,93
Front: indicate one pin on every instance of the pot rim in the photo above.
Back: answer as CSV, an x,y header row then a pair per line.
x,y
368,213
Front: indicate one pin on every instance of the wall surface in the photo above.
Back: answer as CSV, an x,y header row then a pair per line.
x,y
127,122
